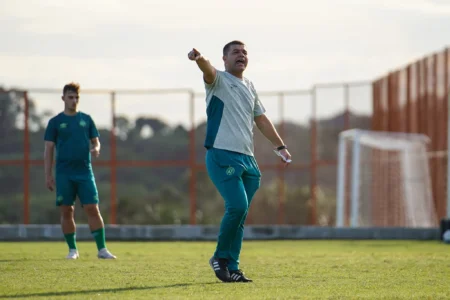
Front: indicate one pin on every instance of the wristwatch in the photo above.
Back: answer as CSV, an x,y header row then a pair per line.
x,y
281,147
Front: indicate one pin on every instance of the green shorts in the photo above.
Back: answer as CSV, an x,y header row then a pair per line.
x,y
68,187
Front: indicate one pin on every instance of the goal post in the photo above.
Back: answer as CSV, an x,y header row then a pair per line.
x,y
448,157
384,177
445,222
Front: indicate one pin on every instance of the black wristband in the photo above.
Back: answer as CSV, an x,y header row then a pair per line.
x,y
281,147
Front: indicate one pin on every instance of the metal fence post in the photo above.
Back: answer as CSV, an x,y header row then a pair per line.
x,y
281,181
26,162
113,161
192,162
313,164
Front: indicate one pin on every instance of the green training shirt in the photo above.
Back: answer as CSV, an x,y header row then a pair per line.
x,y
72,136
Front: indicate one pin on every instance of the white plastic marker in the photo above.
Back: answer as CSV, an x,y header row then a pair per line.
x,y
284,158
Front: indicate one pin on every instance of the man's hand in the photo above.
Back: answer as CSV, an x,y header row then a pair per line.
x,y
286,157
95,151
194,54
50,182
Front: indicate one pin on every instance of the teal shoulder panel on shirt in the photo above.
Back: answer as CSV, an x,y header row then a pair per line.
x,y
214,113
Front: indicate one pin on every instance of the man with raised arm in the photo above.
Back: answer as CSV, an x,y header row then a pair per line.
x,y
233,107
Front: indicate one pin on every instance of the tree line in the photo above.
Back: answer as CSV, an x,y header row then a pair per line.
x,y
160,195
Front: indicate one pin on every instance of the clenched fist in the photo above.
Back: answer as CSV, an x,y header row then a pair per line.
x,y
194,54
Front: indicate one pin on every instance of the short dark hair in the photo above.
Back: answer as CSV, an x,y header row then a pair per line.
x,y
226,48
71,87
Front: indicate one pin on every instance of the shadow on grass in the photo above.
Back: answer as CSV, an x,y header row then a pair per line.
x,y
26,260
20,260
113,290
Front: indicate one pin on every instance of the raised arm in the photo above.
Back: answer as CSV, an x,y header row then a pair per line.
x,y
209,72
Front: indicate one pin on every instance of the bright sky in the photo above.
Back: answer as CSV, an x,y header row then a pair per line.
x,y
143,44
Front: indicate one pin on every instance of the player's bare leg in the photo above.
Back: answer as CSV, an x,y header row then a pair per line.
x,y
97,228
68,228
95,220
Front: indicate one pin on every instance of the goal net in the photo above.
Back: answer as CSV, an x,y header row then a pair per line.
x,y
384,180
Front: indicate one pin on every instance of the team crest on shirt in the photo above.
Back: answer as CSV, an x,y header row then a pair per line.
x,y
83,123
230,171
63,125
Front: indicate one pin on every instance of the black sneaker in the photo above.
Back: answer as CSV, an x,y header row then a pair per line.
x,y
220,268
238,276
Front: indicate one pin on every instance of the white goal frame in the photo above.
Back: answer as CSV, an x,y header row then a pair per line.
x,y
448,156
357,135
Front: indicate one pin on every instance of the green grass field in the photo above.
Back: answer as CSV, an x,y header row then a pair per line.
x,y
180,270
